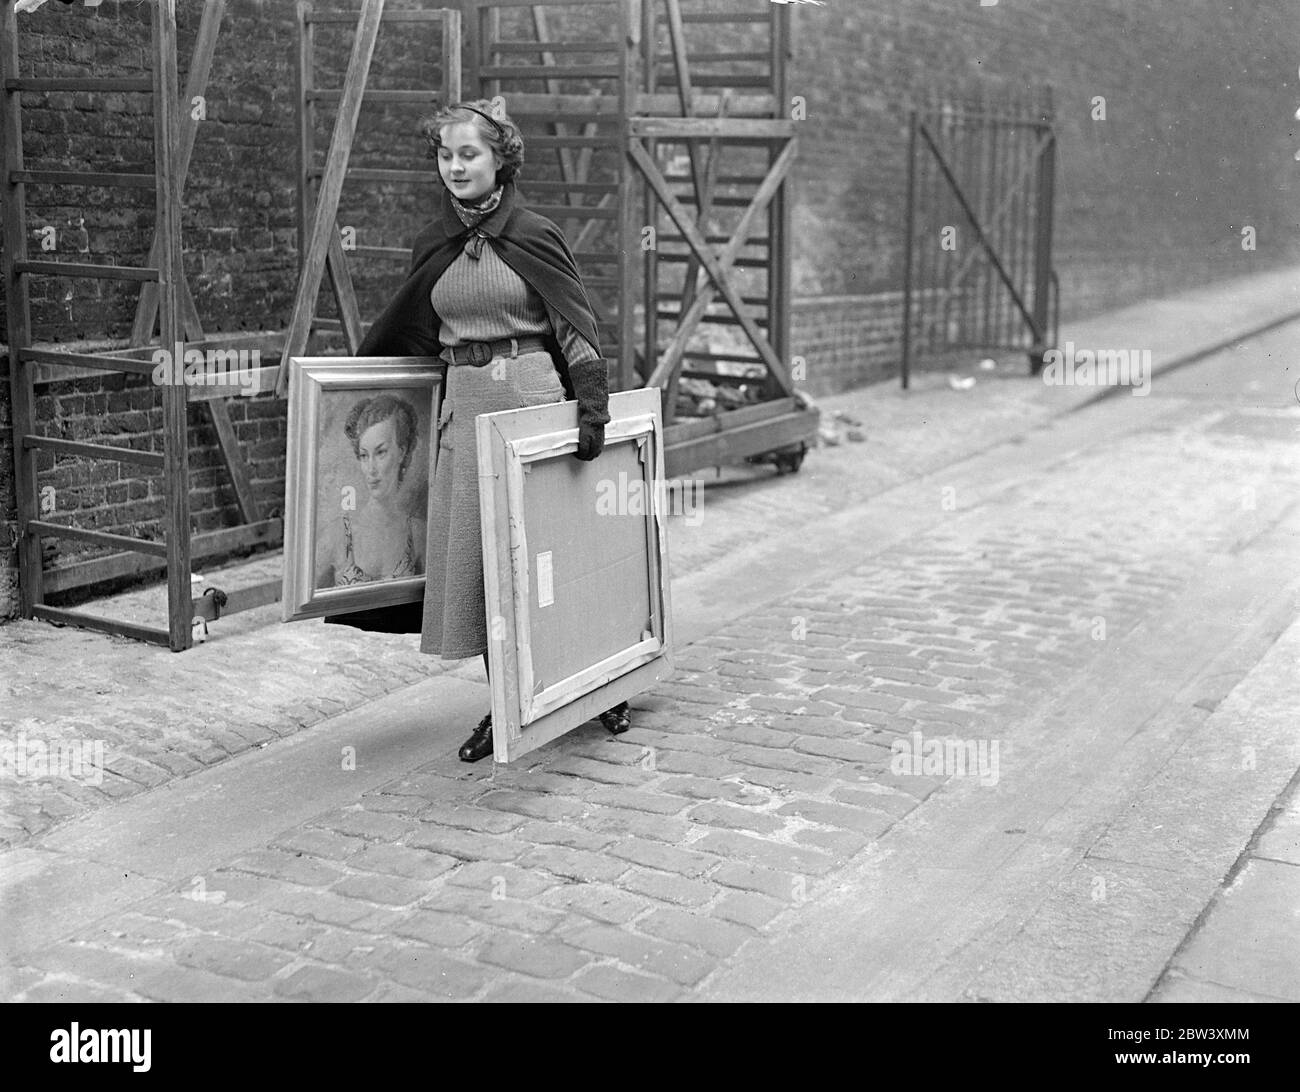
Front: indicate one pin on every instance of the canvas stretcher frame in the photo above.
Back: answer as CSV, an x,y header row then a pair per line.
x,y
310,379
550,673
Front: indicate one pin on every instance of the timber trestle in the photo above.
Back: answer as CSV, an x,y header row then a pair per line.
x,y
666,139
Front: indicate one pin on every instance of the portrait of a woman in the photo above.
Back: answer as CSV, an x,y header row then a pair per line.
x,y
494,290
376,535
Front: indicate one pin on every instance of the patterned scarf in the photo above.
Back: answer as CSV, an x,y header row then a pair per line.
x,y
473,215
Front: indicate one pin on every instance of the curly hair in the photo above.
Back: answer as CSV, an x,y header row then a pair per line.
x,y
371,411
489,118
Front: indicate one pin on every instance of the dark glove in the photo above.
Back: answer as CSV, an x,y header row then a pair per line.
x,y
590,379
591,441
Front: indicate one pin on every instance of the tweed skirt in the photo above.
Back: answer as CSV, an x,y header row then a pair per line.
x,y
455,612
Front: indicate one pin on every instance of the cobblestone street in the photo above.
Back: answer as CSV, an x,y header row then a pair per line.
x,y
1086,601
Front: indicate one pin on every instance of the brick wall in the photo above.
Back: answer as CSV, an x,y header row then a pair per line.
x,y
1197,143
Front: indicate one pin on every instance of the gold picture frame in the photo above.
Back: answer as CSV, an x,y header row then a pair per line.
x,y
362,442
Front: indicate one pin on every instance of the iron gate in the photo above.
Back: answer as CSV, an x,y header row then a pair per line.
x,y
978,251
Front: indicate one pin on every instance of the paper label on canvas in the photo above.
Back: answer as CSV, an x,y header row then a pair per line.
x,y
545,579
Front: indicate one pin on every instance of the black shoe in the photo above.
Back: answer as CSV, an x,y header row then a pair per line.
x,y
618,720
479,745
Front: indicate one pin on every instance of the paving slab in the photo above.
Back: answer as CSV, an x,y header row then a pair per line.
x,y
1251,940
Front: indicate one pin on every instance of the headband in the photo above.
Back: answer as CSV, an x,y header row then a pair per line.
x,y
475,110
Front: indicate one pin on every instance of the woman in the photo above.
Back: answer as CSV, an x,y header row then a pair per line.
x,y
495,291
382,540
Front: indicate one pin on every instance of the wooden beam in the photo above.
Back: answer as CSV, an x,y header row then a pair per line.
x,y
686,107
233,457
44,529
196,83
551,47
13,210
663,103
389,16
748,17
545,106
335,94
324,223
599,211
98,361
262,340
87,269
736,442
589,228
94,451
63,616
685,94
84,178
304,74
80,574
176,472
779,210
388,253
538,72
374,174
344,293
451,72
546,3
728,128
237,600
78,83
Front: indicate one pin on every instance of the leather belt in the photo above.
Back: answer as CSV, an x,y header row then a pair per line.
x,y
477,354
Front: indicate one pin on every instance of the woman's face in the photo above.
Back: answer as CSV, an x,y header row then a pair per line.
x,y
380,458
467,165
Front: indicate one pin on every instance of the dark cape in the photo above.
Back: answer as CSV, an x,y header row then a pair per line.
x,y
533,247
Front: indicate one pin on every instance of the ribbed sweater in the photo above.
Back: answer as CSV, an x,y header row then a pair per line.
x,y
483,299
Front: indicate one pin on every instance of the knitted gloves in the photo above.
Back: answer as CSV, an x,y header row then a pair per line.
x,y
590,380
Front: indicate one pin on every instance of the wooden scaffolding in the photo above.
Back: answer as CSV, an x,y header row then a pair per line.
x,y
167,317
167,302
673,139
615,125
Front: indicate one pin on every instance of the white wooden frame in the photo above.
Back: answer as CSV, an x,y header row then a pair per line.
x,y
508,443
310,377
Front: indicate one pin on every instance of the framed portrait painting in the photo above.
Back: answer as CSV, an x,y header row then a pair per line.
x,y
360,459
575,566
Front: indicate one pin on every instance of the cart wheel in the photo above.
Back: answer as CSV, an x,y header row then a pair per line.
x,y
789,460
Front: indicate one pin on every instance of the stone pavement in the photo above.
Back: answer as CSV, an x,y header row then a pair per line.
x,y
1246,947
652,866
162,716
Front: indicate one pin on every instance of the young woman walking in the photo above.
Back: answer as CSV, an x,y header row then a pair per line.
x,y
495,292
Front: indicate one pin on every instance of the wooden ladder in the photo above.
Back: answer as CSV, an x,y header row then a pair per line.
x,y
163,276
